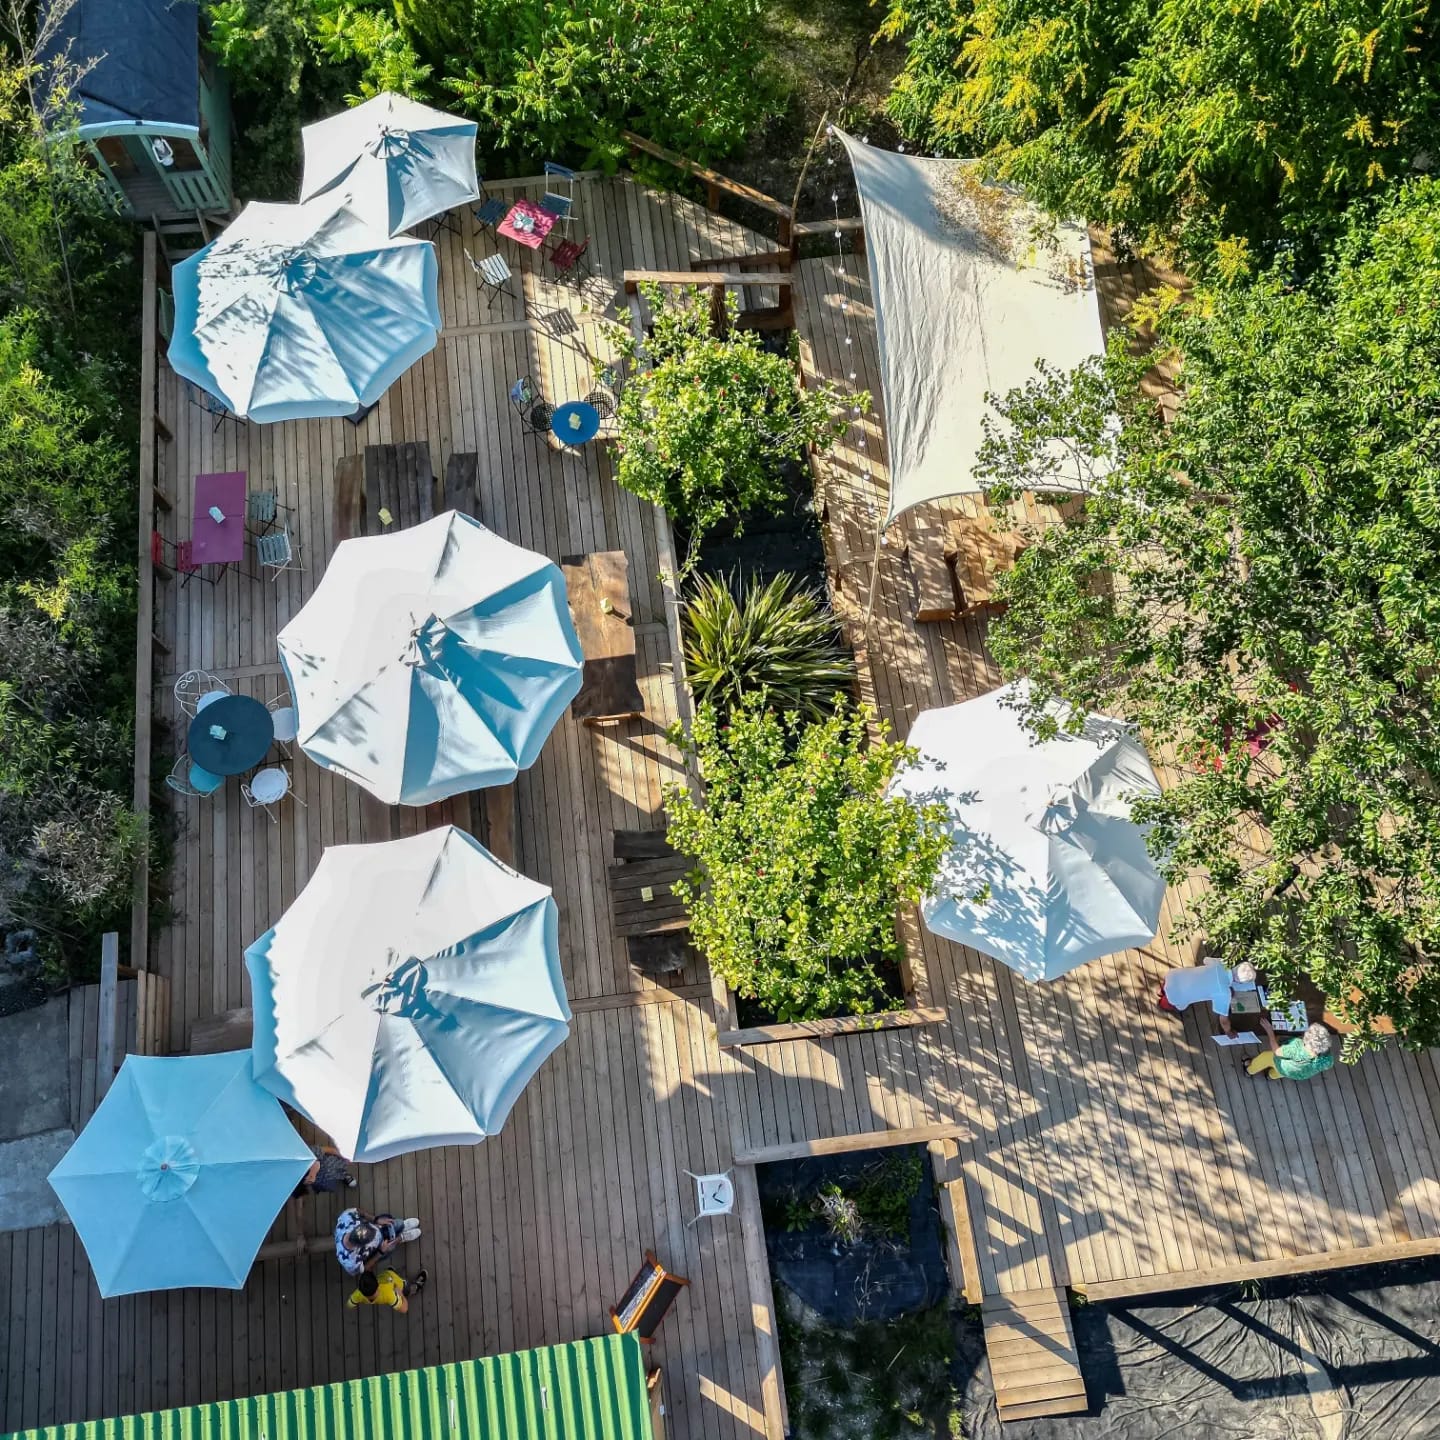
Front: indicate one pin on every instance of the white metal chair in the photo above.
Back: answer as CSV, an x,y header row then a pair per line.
x,y
187,778
195,689
285,721
493,273
714,1195
276,550
268,787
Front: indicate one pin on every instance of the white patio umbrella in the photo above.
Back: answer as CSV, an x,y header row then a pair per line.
x,y
409,994
298,312
432,660
1046,869
400,161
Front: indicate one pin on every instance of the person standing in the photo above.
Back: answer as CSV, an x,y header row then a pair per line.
x,y
1302,1058
362,1241
1211,983
386,1287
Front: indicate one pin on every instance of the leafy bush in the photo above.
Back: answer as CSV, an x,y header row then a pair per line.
x,y
779,643
802,858
1179,121
883,1194
708,420
1258,586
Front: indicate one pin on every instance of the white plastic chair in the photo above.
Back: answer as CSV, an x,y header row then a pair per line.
x,y
714,1195
268,787
285,721
195,689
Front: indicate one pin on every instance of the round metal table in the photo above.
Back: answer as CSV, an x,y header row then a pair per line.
x,y
246,732
568,433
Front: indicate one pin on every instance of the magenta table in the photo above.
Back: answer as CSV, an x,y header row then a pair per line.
x,y
533,238
212,541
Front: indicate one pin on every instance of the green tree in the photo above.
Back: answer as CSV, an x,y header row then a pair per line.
x,y
802,859
708,421
1185,122
1258,585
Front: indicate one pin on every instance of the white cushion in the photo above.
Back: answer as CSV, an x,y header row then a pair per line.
x,y
207,698
268,786
287,726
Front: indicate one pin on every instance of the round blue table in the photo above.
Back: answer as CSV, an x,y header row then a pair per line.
x,y
569,433
246,733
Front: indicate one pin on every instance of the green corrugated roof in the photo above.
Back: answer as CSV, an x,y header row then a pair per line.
x,y
588,1390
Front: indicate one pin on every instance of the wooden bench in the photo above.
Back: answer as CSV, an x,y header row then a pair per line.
x,y
931,576
400,480
462,483
349,496
598,589
229,1030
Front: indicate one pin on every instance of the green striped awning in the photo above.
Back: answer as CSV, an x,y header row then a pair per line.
x,y
588,1390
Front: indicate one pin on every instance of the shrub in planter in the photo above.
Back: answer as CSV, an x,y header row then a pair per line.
x,y
802,858
708,420
778,641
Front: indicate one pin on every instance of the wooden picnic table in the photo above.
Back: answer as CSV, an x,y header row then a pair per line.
x,y
598,588
399,480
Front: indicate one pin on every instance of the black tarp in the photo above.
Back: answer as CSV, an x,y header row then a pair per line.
x,y
148,54
1354,1355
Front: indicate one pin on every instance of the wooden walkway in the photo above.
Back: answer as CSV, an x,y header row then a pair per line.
x,y
1105,1146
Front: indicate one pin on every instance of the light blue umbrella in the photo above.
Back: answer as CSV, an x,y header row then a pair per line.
x,y
432,660
399,161
299,312
179,1174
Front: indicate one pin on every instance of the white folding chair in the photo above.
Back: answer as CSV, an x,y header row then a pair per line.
x,y
493,273
285,721
269,787
714,1195
195,689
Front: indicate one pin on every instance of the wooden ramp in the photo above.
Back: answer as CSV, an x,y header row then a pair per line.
x,y
1033,1364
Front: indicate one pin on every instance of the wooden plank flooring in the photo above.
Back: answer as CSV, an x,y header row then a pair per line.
x,y
1105,1143
530,1237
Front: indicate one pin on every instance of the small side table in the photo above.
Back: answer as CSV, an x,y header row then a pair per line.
x,y
575,423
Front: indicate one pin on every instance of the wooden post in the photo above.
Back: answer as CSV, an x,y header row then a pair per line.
x,y
109,988
712,195
718,317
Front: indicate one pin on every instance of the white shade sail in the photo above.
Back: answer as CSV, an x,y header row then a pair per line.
x,y
399,161
1046,870
409,994
432,660
966,300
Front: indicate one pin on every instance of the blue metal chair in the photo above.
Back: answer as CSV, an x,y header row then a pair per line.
x,y
187,778
559,196
212,405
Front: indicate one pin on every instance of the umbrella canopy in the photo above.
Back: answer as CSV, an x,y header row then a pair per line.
x,y
409,994
432,661
400,162
1041,833
299,312
179,1174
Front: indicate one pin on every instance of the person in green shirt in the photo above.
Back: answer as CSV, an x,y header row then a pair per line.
x,y
1302,1058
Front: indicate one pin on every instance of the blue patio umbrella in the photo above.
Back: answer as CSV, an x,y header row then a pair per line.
x,y
299,312
179,1174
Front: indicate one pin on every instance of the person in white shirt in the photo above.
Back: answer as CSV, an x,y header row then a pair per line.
x,y
1211,983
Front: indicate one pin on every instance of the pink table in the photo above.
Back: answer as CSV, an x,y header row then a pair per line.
x,y
219,542
533,239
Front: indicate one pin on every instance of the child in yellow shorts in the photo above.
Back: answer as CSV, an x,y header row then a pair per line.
x,y
386,1287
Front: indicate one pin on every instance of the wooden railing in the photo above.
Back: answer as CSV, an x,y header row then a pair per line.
x,y
716,184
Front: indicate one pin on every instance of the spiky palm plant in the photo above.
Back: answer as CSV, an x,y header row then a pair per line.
x,y
778,639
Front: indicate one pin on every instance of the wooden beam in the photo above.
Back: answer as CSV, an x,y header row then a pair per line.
x,y
635,278
1169,1280
762,1302
840,1025
844,1144
849,225
295,1247
145,603
162,500
109,991
713,180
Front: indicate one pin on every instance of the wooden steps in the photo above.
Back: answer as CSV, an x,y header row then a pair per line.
x,y
1031,1346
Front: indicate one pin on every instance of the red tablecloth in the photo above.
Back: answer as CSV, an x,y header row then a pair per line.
x,y
544,223
219,542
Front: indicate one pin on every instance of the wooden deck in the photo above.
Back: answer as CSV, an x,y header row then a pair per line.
x,y
530,1237
1083,1139
1106,1146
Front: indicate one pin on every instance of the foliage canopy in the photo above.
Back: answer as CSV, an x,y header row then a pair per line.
x,y
802,859
1182,121
707,421
1258,585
